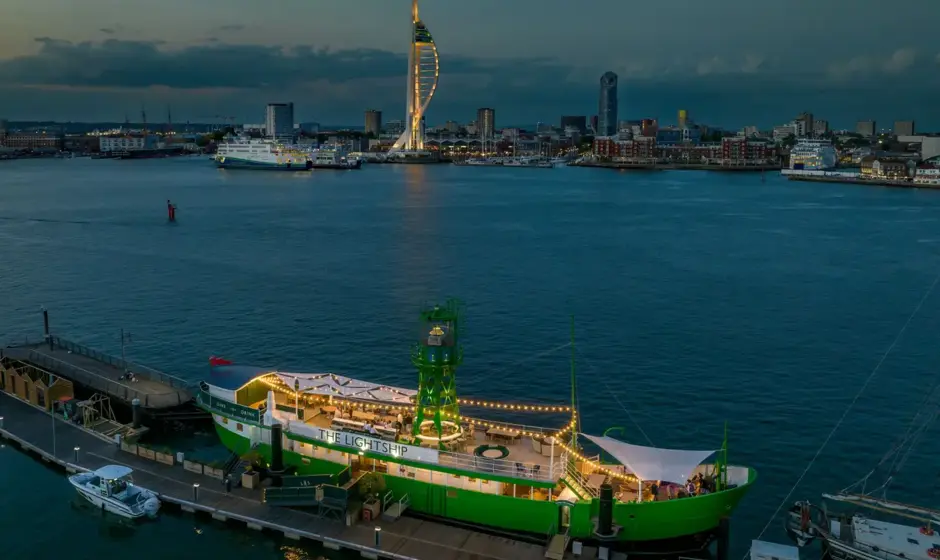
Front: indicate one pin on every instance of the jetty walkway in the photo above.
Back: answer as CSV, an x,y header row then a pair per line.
x,y
74,448
106,374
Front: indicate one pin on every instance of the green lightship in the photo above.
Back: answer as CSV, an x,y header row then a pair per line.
x,y
434,453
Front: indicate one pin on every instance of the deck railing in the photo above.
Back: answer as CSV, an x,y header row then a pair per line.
x,y
123,391
124,365
503,467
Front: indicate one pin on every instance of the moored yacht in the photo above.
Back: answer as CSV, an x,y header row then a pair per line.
x,y
112,489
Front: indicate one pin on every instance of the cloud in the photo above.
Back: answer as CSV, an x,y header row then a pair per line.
x,y
107,30
335,85
123,63
231,27
900,61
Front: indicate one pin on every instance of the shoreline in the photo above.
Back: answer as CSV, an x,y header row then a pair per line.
x,y
679,167
869,182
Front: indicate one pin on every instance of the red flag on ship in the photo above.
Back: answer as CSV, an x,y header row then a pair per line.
x,y
214,361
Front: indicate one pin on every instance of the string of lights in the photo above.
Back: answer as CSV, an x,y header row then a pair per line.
x,y
558,436
514,406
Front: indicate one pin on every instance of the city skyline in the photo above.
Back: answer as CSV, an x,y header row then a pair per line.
x,y
97,65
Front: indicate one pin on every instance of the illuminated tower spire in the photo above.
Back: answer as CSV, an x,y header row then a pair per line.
x,y
423,71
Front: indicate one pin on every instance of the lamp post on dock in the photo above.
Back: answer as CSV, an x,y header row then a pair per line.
x,y
125,340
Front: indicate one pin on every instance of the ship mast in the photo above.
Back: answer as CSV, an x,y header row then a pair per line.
x,y
574,393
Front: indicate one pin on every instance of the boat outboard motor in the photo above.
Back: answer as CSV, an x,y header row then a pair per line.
x,y
152,506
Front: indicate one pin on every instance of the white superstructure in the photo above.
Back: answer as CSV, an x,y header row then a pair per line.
x,y
247,153
813,155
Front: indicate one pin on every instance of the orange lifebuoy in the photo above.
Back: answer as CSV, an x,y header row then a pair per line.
x,y
926,530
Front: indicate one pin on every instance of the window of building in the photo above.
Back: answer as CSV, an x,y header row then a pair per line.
x,y
239,427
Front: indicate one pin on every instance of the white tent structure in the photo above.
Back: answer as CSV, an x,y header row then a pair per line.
x,y
330,384
651,463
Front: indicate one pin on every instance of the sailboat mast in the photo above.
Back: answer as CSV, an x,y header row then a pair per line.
x,y
574,394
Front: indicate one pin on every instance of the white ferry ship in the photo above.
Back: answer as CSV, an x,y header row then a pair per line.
x,y
813,155
262,154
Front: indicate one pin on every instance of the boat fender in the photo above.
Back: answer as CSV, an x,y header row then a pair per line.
x,y
804,518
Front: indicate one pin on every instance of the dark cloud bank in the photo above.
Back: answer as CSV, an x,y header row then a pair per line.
x,y
102,80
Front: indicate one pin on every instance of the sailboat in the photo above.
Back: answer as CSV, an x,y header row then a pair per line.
x,y
858,535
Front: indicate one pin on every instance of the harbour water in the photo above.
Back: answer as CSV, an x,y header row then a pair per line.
x,y
699,299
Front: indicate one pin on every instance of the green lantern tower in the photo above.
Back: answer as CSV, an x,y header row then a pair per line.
x,y
437,355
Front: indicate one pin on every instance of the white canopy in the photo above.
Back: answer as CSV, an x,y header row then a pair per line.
x,y
113,472
651,463
344,387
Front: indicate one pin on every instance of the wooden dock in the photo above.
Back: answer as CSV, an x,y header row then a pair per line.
x,y
103,373
407,538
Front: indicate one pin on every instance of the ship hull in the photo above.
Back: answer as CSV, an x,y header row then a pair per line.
x,y
355,165
675,525
232,163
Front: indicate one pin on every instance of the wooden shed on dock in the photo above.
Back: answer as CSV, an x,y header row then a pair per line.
x,y
33,385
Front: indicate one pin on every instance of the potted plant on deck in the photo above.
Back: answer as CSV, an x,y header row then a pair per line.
x,y
251,478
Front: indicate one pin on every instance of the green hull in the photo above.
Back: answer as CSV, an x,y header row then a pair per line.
x,y
650,521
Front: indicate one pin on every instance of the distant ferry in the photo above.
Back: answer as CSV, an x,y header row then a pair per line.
x,y
812,154
333,157
262,154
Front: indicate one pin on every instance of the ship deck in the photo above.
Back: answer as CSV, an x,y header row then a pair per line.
x,y
75,449
527,457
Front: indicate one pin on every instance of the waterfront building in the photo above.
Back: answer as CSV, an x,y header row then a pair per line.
x,y
279,121
903,128
486,123
804,124
813,155
673,135
820,128
607,105
32,141
865,128
749,131
373,123
638,148
579,122
742,150
783,131
109,144
891,168
927,175
423,72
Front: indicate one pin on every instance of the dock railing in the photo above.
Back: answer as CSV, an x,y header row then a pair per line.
x,y
124,365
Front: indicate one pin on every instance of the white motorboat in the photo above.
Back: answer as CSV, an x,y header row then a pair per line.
x,y
112,488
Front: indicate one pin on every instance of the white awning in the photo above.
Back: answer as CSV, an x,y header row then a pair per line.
x,y
330,384
651,463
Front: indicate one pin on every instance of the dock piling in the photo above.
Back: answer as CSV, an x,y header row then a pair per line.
x,y
135,414
1,422
45,327
195,491
378,537
77,449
